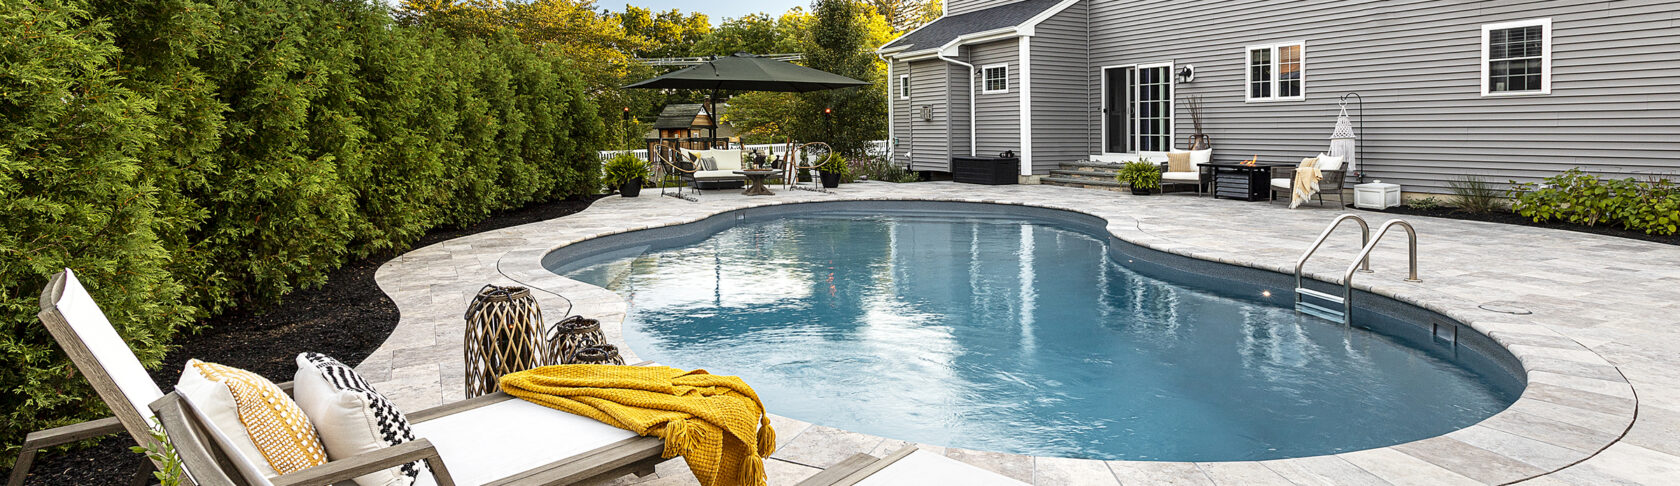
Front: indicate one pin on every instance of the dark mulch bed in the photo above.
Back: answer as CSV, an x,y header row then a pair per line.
x,y
1514,218
347,318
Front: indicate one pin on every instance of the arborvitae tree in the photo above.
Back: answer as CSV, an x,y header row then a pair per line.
x,y
848,119
72,195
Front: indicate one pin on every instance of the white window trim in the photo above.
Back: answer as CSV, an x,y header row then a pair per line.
x,y
904,86
1545,56
984,88
1248,72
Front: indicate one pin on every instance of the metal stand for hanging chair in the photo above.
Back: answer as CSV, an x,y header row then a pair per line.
x,y
791,179
669,162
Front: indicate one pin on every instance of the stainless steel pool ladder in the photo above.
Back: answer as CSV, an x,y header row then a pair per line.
x,y
1360,263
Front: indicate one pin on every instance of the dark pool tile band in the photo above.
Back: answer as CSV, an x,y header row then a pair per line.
x,y
1521,442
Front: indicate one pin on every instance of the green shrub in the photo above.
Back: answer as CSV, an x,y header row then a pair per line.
x,y
883,169
622,168
1140,174
1426,203
1476,195
1651,207
189,157
73,194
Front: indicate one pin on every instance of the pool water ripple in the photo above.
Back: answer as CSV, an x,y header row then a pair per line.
x,y
995,333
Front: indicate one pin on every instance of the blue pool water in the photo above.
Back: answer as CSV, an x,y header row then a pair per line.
x,y
1000,334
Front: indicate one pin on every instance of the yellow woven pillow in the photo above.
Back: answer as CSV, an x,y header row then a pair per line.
x,y
1178,161
254,416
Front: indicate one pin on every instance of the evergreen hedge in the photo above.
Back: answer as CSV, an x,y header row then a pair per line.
x,y
187,157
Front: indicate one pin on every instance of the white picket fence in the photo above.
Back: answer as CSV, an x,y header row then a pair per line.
x,y
876,148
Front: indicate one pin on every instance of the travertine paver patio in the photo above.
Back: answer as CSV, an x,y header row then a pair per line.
x,y
1602,343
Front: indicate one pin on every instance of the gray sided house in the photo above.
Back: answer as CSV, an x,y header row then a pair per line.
x,y
1496,90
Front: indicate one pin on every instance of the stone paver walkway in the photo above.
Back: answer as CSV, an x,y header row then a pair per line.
x,y
1602,345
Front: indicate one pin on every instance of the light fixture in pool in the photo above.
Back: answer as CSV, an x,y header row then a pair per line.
x,y
1025,331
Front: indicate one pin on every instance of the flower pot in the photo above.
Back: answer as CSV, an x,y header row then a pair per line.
x,y
1139,192
830,180
631,188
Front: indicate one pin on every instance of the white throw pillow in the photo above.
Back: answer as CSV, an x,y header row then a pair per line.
x,y
1329,162
351,417
252,418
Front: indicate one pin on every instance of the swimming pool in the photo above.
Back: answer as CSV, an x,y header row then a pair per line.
x,y
1030,331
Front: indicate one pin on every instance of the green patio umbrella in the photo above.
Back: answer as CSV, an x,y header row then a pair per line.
x,y
747,72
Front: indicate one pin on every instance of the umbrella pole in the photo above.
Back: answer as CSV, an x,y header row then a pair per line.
x,y
716,119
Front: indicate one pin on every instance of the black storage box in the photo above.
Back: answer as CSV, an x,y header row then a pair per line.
x,y
986,170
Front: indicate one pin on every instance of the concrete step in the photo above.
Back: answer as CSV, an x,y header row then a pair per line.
x,y
1103,175
1091,164
1108,184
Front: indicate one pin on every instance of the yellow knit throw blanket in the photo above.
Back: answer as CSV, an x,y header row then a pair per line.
x,y
715,422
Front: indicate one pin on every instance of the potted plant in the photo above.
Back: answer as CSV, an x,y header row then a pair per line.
x,y
625,173
833,169
1141,176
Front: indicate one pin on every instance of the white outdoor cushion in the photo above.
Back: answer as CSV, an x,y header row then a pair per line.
x,y
923,467
1283,183
113,354
1181,176
727,160
718,175
1328,162
507,438
351,417
1199,157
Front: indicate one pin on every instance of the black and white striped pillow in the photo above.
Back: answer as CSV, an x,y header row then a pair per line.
x,y
351,417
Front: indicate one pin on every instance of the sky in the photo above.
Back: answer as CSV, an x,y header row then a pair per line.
x,y
716,10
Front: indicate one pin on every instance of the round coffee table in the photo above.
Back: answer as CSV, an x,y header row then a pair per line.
x,y
755,180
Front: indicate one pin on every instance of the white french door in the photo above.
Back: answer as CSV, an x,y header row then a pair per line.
x,y
1137,108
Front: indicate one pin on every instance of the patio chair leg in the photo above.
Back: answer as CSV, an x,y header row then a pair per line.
x,y
143,476
20,469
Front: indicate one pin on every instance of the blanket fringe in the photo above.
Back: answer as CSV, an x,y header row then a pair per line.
x,y
752,472
766,439
680,438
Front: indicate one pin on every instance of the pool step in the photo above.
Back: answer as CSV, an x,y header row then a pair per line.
x,y
1314,309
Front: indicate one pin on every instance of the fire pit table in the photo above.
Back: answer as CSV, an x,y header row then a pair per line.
x,y
1248,182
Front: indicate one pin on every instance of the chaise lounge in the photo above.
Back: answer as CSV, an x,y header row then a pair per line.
x,y
492,439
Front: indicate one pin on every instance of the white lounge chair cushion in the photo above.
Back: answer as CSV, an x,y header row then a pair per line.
x,y
1181,176
113,354
351,417
496,441
717,175
926,468
1282,183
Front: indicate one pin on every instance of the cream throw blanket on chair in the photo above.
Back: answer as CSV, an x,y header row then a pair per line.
x,y
1306,182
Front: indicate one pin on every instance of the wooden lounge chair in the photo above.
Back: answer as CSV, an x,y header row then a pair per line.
x,y
492,439
906,466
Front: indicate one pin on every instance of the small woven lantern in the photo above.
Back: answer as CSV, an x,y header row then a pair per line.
x,y
504,335
573,334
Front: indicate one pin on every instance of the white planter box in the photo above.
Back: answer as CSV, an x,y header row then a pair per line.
x,y
1376,195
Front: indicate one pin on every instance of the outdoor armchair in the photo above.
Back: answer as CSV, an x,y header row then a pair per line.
x,y
492,439
1283,180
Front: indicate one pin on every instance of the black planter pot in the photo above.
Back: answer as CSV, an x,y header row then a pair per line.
x,y
830,180
1139,192
631,188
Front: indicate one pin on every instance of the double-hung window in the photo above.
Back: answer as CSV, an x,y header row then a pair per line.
x,y
904,86
994,79
1517,58
1276,72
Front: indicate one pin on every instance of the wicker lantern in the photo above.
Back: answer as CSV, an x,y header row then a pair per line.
x,y
504,335
1343,142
